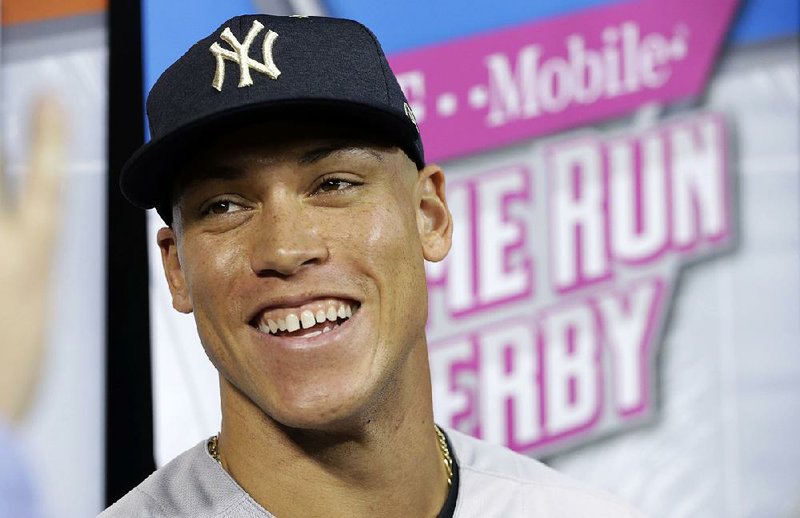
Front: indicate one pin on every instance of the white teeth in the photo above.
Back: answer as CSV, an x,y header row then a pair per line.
x,y
332,314
307,319
292,323
312,334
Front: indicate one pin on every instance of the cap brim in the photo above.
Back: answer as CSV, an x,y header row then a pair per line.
x,y
146,178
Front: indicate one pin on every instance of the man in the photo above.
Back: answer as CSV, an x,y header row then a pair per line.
x,y
290,171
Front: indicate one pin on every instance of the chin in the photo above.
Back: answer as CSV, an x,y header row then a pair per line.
x,y
322,418
342,406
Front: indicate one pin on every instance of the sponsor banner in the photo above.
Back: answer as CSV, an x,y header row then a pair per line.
x,y
26,11
551,75
547,315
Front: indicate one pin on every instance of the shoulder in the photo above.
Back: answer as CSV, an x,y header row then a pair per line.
x,y
192,484
495,481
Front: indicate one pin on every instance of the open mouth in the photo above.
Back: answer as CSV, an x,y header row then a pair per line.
x,y
306,321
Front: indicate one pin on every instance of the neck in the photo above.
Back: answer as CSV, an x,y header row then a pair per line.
x,y
386,462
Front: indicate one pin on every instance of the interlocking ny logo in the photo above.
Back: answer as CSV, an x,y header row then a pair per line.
x,y
240,55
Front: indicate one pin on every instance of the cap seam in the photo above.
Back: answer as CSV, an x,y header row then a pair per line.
x,y
379,50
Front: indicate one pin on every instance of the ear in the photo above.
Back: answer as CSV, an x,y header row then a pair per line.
x,y
434,222
176,280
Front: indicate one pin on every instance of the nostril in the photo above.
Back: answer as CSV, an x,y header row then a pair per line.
x,y
283,262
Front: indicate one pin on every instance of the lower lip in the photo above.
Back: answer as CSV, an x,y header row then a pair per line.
x,y
334,336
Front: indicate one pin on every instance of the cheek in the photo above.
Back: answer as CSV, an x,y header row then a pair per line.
x,y
391,238
211,276
393,253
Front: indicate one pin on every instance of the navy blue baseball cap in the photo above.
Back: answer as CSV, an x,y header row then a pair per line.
x,y
258,68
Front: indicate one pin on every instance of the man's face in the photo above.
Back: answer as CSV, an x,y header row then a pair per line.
x,y
307,227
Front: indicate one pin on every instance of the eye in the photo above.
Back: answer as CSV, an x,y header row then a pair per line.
x,y
334,184
220,207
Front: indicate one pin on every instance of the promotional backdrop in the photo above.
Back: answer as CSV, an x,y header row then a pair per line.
x,y
59,49
622,295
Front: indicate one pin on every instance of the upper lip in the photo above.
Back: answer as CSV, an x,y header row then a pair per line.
x,y
297,301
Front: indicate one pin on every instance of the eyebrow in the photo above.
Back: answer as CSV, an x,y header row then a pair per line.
x,y
323,152
220,172
232,172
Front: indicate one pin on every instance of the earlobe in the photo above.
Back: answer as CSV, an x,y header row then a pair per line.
x,y
173,271
434,222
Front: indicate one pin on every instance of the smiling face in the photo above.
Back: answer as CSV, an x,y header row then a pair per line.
x,y
300,252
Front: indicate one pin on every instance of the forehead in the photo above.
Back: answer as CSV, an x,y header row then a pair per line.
x,y
231,152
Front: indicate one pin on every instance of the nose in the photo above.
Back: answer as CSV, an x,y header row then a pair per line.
x,y
287,240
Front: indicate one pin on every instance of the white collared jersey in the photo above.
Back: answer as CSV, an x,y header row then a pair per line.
x,y
493,482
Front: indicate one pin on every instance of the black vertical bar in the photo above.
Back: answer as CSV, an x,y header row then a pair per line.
x,y
129,412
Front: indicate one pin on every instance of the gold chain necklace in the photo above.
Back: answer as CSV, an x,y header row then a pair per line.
x,y
446,458
213,449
